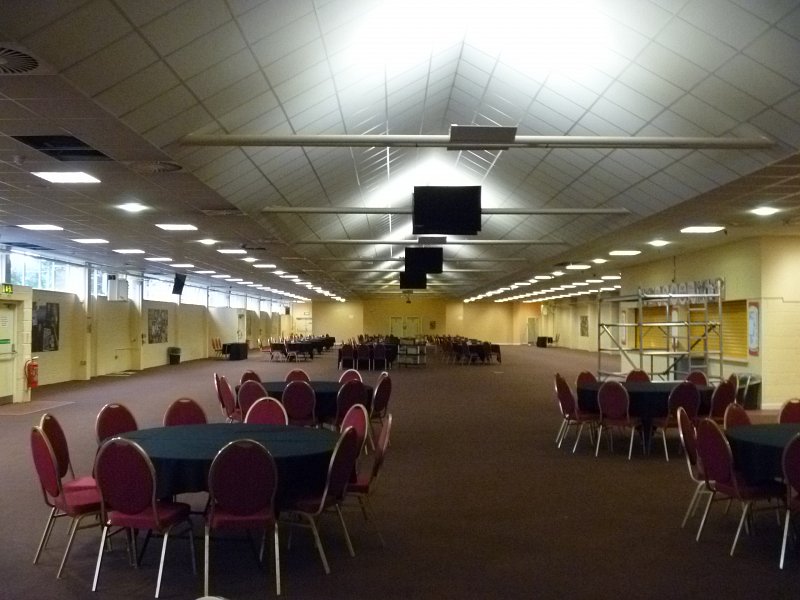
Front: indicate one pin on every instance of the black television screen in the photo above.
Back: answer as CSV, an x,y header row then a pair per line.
x,y
413,280
425,259
447,209
177,286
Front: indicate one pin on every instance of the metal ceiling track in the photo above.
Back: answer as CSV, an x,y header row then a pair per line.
x,y
445,141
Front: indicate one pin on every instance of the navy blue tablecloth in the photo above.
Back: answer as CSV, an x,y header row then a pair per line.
x,y
182,455
758,449
325,392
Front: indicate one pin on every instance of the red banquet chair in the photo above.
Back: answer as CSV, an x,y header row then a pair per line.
x,y
75,503
584,377
735,416
267,411
685,396
242,482
688,436
614,404
297,375
299,400
357,418
350,393
349,375
790,461
697,378
249,375
113,419
227,399
723,395
127,482
249,392
379,407
571,413
723,481
637,375
790,411
52,430
308,509
364,485
184,411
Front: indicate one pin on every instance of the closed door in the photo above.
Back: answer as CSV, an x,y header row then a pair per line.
x,y
7,355
396,326
412,326
532,329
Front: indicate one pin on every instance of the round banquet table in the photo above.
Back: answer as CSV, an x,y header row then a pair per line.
x,y
648,399
324,391
758,449
182,455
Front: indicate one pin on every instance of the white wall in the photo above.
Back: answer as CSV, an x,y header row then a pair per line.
x,y
63,364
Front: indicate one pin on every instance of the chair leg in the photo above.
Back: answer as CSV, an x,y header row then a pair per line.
x,y
344,530
99,557
577,438
693,502
48,528
277,550
664,439
74,527
599,435
745,511
205,562
161,562
369,516
705,514
630,445
560,431
786,521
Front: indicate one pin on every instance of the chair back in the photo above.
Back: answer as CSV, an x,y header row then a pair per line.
x,y
637,375
125,477
349,375
299,401
790,411
358,419
249,375
585,377
688,436
297,375
378,352
242,480
350,393
226,396
791,466
381,395
613,400
735,416
340,468
380,449
724,394
52,430
184,411
697,378
267,411
714,453
250,391
685,396
566,399
113,419
44,460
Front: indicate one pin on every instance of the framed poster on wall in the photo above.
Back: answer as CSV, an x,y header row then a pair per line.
x,y
753,334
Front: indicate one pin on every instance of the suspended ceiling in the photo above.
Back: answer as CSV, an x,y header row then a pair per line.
x,y
132,79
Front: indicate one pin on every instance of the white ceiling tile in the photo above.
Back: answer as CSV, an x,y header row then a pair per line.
x,y
139,88
207,51
290,38
703,115
642,16
669,66
568,88
186,122
163,107
225,73
779,127
297,71
752,78
112,64
694,45
779,51
266,18
724,20
184,24
251,89
617,115
144,11
769,11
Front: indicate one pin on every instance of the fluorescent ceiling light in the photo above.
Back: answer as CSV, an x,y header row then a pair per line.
x,y
543,277
176,227
245,282
204,272
234,279
232,251
128,251
42,227
279,272
66,176
624,252
764,211
594,281
132,207
264,266
658,243
220,276
159,259
599,261
610,277
250,259
577,267
208,242
90,241
182,265
558,273
702,229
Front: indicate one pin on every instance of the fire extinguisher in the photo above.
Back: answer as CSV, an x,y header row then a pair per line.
x,y
32,372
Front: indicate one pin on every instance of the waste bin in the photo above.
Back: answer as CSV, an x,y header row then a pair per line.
x,y
174,355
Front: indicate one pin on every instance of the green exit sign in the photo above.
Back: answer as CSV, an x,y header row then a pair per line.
x,y
8,288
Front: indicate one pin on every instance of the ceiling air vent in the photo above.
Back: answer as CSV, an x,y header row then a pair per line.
x,y
153,167
29,246
223,212
14,62
62,147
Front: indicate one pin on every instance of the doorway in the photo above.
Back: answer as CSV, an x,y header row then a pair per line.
x,y
8,341
404,326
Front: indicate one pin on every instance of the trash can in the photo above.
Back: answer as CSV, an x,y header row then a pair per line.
x,y
174,355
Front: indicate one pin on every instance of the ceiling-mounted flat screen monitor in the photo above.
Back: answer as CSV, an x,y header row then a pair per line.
x,y
427,260
447,209
413,280
177,285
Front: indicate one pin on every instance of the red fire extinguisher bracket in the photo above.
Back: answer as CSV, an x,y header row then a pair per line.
x,y
32,372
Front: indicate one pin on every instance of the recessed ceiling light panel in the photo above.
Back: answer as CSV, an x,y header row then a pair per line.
x,y
41,227
702,229
624,252
66,176
176,227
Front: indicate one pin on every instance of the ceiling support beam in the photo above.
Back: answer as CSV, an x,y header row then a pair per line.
x,y
445,141
407,210
414,242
